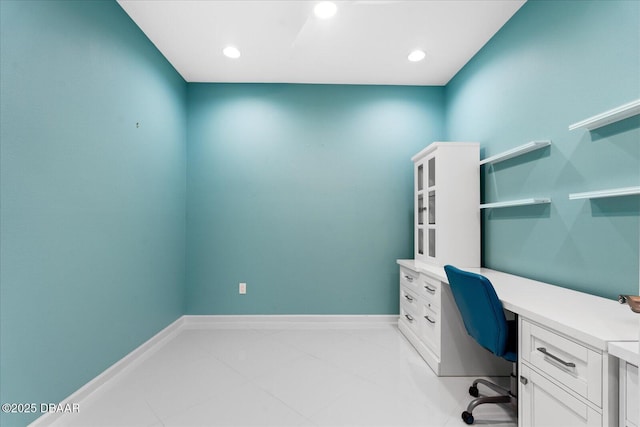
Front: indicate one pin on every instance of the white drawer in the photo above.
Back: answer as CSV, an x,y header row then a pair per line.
x,y
542,403
430,289
430,328
409,278
566,361
409,319
409,309
409,300
632,394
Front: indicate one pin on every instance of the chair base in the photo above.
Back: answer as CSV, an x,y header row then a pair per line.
x,y
505,396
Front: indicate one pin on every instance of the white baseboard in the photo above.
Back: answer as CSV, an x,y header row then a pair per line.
x,y
130,360
287,321
217,322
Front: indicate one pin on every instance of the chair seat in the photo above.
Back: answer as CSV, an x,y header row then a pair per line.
x,y
511,356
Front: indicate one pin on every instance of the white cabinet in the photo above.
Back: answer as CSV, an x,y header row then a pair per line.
x,y
629,355
629,395
447,231
431,322
447,196
543,403
563,382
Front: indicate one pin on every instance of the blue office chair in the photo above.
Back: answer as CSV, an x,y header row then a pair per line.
x,y
484,319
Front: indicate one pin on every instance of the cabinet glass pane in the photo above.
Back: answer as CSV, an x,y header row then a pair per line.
x,y
432,242
421,242
432,207
432,171
420,176
420,210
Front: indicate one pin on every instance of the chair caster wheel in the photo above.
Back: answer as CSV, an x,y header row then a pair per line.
x,y
473,391
467,417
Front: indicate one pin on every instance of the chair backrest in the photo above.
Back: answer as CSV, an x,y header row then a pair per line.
x,y
480,308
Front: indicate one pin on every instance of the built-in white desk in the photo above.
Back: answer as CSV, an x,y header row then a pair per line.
x,y
591,319
629,351
574,326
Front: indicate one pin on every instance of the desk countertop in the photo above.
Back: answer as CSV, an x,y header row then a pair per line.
x,y
589,318
626,350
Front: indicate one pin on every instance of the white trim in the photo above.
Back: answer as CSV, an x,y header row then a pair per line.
x,y
130,360
288,321
187,322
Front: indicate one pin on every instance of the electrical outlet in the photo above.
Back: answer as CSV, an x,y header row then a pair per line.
x,y
242,288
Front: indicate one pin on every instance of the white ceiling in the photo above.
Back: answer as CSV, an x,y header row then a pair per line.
x,y
366,42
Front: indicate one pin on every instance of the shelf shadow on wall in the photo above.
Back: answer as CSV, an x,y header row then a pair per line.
x,y
616,206
616,128
519,212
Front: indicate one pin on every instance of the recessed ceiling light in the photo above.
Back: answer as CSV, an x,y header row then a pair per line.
x,y
325,9
416,55
231,52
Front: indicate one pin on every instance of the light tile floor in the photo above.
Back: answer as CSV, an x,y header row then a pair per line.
x,y
367,376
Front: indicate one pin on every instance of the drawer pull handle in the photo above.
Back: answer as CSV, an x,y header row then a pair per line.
x,y
429,319
409,278
430,289
523,380
409,318
408,298
556,358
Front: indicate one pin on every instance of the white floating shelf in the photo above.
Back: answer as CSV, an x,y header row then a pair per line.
x,y
522,202
530,146
611,116
614,192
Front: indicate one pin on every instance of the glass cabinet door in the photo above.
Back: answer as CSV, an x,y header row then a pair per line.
x,y
421,209
432,171
431,207
421,242
425,208
432,242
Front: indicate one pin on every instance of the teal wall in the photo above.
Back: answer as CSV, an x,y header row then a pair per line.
x,y
304,192
92,219
551,65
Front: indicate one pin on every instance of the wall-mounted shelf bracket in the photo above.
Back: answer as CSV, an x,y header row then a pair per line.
x,y
611,116
614,192
517,151
521,202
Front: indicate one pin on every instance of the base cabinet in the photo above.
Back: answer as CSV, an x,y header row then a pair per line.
x,y
543,403
430,320
563,382
629,395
